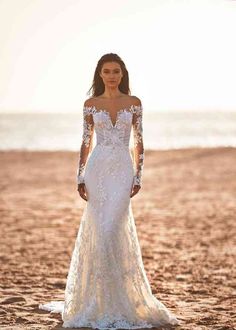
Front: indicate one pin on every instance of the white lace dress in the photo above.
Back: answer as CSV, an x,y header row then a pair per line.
x,y
107,287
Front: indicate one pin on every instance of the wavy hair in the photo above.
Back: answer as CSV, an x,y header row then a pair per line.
x,y
98,86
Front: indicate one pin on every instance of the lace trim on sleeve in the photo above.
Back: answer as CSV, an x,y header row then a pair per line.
x,y
87,141
138,143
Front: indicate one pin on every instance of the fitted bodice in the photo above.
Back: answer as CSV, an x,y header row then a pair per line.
x,y
109,134
106,132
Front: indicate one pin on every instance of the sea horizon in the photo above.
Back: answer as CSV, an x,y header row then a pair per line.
x,y
48,131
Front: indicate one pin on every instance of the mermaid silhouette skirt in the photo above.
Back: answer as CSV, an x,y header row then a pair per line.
x,y
107,287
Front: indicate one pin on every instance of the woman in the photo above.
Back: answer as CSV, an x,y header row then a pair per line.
x,y
107,287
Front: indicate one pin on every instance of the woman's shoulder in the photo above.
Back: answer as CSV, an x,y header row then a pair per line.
x,y
90,102
136,101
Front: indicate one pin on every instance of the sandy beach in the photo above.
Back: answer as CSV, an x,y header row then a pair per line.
x,y
185,215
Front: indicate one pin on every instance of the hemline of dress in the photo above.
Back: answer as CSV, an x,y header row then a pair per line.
x,y
69,324
57,307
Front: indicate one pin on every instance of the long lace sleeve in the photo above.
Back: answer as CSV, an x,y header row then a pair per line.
x,y
87,142
138,143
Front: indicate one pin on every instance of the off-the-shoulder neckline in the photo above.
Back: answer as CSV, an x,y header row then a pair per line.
x,y
126,108
93,107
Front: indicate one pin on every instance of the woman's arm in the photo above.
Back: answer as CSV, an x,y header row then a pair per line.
x,y
138,141
87,141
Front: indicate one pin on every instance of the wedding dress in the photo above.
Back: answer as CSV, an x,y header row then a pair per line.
x,y
107,287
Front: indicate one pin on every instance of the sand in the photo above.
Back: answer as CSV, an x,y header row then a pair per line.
x,y
185,215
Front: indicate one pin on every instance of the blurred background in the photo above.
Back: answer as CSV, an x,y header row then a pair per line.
x,y
180,56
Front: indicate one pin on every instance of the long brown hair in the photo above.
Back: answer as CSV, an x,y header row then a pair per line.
x,y
98,86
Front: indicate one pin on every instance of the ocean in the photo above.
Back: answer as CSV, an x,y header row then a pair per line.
x,y
161,130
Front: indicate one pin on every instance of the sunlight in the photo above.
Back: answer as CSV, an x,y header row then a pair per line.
x,y
179,54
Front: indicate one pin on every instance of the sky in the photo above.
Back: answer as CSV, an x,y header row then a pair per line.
x,y
180,54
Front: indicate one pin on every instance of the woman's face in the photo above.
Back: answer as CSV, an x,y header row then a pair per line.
x,y
111,74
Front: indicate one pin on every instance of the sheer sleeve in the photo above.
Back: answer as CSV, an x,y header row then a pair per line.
x,y
87,142
138,143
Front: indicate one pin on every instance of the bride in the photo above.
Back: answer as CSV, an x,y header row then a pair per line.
x,y
107,287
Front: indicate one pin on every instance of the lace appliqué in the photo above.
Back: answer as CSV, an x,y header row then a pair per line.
x,y
138,143
113,137
138,176
86,146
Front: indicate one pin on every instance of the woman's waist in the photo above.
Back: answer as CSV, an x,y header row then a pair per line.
x,y
112,146
107,156
114,151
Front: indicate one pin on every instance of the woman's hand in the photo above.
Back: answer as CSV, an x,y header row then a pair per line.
x,y
135,190
82,191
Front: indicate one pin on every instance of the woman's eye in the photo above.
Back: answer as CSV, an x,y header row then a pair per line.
x,y
114,71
